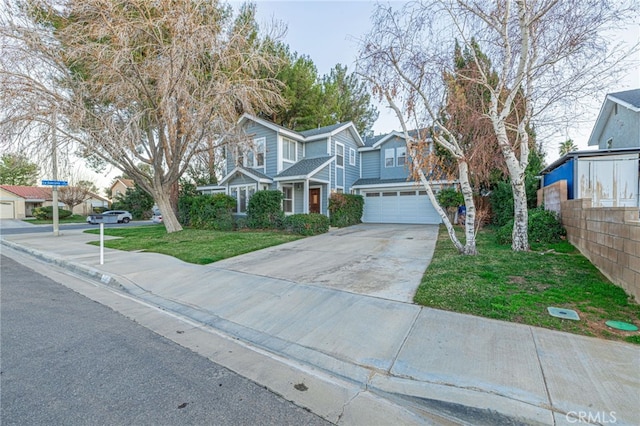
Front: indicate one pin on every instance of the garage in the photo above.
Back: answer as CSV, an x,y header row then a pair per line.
x,y
6,210
398,206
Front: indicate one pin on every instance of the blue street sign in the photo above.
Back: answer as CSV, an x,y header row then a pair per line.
x,y
55,183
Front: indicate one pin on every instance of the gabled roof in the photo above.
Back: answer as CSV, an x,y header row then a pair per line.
x,y
128,183
29,192
251,173
306,168
307,135
380,139
629,99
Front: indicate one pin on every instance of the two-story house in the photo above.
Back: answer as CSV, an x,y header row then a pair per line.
x,y
390,196
309,166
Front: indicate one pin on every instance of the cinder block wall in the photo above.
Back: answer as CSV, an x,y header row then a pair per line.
x,y
609,237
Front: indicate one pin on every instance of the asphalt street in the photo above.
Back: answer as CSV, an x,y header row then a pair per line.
x,y
67,360
12,227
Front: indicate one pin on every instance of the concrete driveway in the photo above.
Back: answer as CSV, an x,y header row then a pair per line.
x,y
380,260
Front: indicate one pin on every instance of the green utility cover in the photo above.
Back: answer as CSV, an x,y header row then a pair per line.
x,y
620,325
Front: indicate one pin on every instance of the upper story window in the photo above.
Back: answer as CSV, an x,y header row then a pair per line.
x,y
352,157
401,157
289,150
389,157
339,155
258,153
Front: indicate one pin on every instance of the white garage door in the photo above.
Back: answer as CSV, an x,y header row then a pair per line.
x,y
6,210
398,206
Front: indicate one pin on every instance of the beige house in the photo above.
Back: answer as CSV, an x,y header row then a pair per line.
x,y
119,187
18,202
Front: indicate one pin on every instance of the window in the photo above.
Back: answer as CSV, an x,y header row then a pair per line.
x,y
339,155
372,194
288,150
239,157
258,152
242,194
352,157
402,156
389,157
287,199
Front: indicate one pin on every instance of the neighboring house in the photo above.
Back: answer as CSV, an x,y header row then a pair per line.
x,y
119,187
609,175
618,123
18,202
309,166
92,202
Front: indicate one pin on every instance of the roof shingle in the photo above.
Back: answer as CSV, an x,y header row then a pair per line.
x,y
29,192
304,167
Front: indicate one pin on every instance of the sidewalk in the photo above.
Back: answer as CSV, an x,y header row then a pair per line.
x,y
463,368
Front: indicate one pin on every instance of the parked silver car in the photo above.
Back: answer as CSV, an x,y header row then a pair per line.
x,y
122,216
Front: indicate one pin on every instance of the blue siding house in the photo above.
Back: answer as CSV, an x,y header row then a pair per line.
x,y
309,166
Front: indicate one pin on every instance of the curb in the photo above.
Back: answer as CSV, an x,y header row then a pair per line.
x,y
405,400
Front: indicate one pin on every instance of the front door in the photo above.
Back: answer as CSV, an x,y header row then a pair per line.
x,y
314,200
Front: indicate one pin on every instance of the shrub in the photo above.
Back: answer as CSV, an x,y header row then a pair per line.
x,y
99,210
46,213
345,209
307,224
450,198
207,211
265,210
502,204
137,201
543,226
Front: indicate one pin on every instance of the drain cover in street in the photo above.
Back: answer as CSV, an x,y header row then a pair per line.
x,y
620,325
563,313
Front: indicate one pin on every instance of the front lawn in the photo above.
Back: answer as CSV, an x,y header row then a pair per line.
x,y
75,218
518,287
191,245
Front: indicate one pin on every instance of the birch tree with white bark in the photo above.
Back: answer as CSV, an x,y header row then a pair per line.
x,y
143,86
548,55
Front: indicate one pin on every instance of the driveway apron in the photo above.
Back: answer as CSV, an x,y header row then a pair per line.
x,y
380,260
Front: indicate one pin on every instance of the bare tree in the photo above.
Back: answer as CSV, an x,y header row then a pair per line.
x,y
412,87
542,64
140,85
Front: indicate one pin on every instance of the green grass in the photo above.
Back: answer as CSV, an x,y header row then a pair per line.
x,y
191,245
75,218
518,287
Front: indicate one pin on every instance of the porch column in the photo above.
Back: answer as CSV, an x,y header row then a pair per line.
x,y
305,196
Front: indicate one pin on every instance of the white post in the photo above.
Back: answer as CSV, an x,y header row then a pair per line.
x,y
102,243
54,164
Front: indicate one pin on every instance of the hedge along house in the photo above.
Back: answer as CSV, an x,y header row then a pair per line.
x,y
306,166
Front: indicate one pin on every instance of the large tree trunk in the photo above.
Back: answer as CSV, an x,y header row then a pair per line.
x,y
516,169
169,218
470,220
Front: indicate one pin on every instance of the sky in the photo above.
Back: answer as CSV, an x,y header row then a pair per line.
x,y
328,32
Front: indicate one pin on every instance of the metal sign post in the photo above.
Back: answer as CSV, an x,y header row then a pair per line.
x,y
54,192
